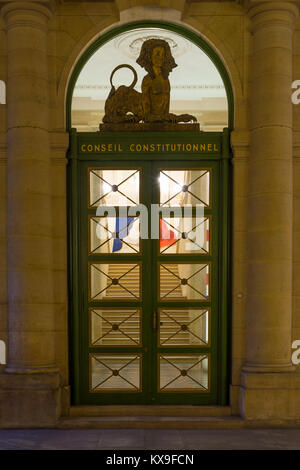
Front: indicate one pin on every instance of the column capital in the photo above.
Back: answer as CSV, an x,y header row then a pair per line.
x,y
26,13
272,12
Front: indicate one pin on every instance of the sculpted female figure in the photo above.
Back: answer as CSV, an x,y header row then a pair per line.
x,y
156,58
126,105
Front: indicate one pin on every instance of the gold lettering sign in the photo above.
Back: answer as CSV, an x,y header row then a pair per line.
x,y
148,148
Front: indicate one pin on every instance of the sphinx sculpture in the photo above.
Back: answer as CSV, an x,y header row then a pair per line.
x,y
127,106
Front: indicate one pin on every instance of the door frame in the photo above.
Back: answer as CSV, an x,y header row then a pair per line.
x,y
76,300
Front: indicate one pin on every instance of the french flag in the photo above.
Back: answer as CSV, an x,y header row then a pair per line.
x,y
167,236
123,226
127,229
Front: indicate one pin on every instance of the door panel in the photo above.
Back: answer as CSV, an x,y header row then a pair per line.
x,y
183,327
148,317
115,326
185,372
186,298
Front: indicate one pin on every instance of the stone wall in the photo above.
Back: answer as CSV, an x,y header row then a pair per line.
x,y
66,31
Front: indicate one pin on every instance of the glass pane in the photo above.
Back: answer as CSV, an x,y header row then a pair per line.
x,y
115,372
182,187
115,326
183,281
183,327
110,281
114,235
186,235
188,372
114,187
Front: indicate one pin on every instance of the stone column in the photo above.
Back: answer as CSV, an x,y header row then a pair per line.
x,y
30,385
269,285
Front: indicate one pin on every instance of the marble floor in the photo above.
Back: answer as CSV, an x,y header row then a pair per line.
x,y
97,439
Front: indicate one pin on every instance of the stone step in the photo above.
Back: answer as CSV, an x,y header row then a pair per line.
x,y
130,281
134,324
116,341
150,410
151,422
113,292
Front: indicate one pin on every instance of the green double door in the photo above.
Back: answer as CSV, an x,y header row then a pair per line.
x,y
147,322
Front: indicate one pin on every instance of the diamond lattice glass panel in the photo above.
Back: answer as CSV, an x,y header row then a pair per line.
x,y
187,235
115,372
114,235
115,326
182,187
183,281
114,187
183,327
111,281
188,372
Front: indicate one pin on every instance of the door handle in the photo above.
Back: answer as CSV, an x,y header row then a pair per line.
x,y
154,320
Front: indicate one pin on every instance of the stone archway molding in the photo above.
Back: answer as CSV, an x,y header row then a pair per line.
x,y
89,42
